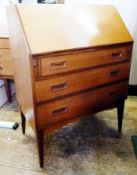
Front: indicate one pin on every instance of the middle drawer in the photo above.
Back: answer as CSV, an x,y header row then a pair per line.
x,y
72,83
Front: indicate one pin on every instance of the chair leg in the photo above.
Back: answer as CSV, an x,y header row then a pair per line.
x,y
40,143
120,111
23,122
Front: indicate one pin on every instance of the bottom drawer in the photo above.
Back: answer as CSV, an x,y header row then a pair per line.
x,y
73,106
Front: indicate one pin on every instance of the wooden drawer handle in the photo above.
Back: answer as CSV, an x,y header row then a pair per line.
x,y
60,110
116,55
113,93
58,65
0,55
115,72
59,86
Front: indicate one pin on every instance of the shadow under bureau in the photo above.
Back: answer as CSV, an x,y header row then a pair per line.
x,y
69,61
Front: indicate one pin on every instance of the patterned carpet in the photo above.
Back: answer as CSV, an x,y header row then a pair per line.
x,y
89,147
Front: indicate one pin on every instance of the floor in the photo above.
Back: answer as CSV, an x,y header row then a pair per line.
x,y
89,147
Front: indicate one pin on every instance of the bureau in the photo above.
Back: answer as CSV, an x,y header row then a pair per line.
x,y
68,62
6,68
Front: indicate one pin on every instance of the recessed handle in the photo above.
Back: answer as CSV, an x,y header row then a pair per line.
x,y
59,86
113,93
116,55
0,55
115,72
60,110
58,65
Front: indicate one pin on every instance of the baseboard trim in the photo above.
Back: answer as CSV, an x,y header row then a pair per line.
x,y
132,90
1,85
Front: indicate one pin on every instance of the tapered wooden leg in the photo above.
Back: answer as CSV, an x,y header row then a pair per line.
x,y
23,122
7,87
120,111
40,142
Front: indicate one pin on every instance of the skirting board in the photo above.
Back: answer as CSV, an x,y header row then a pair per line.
x,y
1,83
132,90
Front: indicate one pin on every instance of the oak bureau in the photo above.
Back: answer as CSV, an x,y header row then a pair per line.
x,y
69,61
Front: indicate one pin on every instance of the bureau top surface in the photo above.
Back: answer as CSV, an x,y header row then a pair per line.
x,y
60,27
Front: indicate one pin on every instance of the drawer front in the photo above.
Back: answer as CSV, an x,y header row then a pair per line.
x,y
73,106
6,67
4,53
71,83
75,61
4,43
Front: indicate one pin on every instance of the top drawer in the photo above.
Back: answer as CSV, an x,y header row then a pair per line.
x,y
4,43
50,65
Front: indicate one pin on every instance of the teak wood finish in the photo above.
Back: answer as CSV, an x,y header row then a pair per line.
x,y
6,67
6,63
69,61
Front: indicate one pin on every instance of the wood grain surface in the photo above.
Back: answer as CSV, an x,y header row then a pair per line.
x,y
62,27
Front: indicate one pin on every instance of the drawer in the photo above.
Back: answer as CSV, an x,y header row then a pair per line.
x,y
80,60
4,53
73,106
71,83
6,67
4,43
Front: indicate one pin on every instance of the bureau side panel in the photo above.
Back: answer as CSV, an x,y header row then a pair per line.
x,y
20,54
